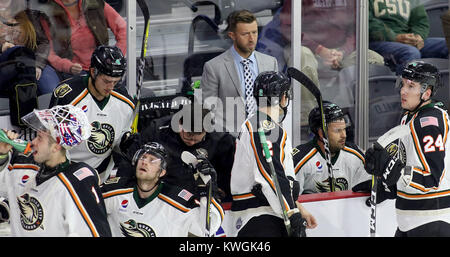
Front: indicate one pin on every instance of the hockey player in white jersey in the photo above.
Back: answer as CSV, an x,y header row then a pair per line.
x,y
48,194
346,157
108,107
416,174
256,208
144,206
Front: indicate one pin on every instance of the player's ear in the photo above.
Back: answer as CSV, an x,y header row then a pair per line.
x,y
162,173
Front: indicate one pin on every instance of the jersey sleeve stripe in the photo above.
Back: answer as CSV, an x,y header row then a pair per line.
x,y
243,196
79,205
123,99
283,144
80,97
418,148
348,149
173,203
117,192
305,159
23,166
261,169
445,118
219,208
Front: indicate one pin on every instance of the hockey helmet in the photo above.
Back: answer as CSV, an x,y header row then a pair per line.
x,y
109,60
271,84
424,73
331,111
153,148
67,124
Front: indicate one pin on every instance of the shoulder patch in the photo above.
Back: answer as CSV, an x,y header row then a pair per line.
x,y
83,173
62,90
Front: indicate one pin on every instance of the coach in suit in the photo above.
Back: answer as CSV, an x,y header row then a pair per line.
x,y
227,77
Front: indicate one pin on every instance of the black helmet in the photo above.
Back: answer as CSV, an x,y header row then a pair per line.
x,y
331,111
424,73
109,60
271,84
153,148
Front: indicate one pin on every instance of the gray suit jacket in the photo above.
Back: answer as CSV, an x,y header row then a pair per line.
x,y
221,89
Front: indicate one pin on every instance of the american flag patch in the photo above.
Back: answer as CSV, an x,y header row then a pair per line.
x,y
186,195
83,173
429,121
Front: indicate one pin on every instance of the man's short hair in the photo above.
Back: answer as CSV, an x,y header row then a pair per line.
x,y
243,16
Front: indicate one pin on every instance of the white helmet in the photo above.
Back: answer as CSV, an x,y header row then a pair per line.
x,y
67,124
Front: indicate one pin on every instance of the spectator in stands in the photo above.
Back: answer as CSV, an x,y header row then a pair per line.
x,y
187,130
399,31
445,18
21,27
76,28
347,159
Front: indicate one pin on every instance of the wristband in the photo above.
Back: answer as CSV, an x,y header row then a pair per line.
x,y
292,211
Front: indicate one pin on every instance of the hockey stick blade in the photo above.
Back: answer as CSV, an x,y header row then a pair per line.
x,y
393,134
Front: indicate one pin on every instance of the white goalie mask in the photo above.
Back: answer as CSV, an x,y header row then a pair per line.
x,y
67,124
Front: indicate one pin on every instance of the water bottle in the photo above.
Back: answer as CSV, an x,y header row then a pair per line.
x,y
19,144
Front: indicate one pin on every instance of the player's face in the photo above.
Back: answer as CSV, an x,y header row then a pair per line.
x,y
245,37
42,147
410,94
337,135
104,85
191,138
148,168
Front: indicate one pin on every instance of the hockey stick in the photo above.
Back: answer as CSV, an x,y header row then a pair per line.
x,y
306,82
268,156
140,71
192,161
388,137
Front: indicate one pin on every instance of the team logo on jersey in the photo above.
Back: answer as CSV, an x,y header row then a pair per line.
x,y
31,212
131,228
239,223
62,90
102,138
340,184
267,125
202,152
393,149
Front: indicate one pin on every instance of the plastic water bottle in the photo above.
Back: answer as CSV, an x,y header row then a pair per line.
x,y
19,144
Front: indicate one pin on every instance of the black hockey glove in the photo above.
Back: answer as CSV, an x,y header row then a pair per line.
x,y
381,164
4,210
298,225
205,168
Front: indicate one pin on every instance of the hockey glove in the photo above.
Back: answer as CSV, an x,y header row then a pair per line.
x,y
4,210
381,164
205,168
298,225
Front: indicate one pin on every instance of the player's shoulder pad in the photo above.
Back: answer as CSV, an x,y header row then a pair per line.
x,y
300,151
177,197
81,173
22,161
68,89
430,117
354,149
117,185
121,93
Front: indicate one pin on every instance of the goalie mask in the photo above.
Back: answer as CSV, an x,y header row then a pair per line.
x,y
67,125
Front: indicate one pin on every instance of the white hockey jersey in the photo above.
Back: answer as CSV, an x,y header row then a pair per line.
x,y
110,119
169,212
312,172
425,196
66,204
250,168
